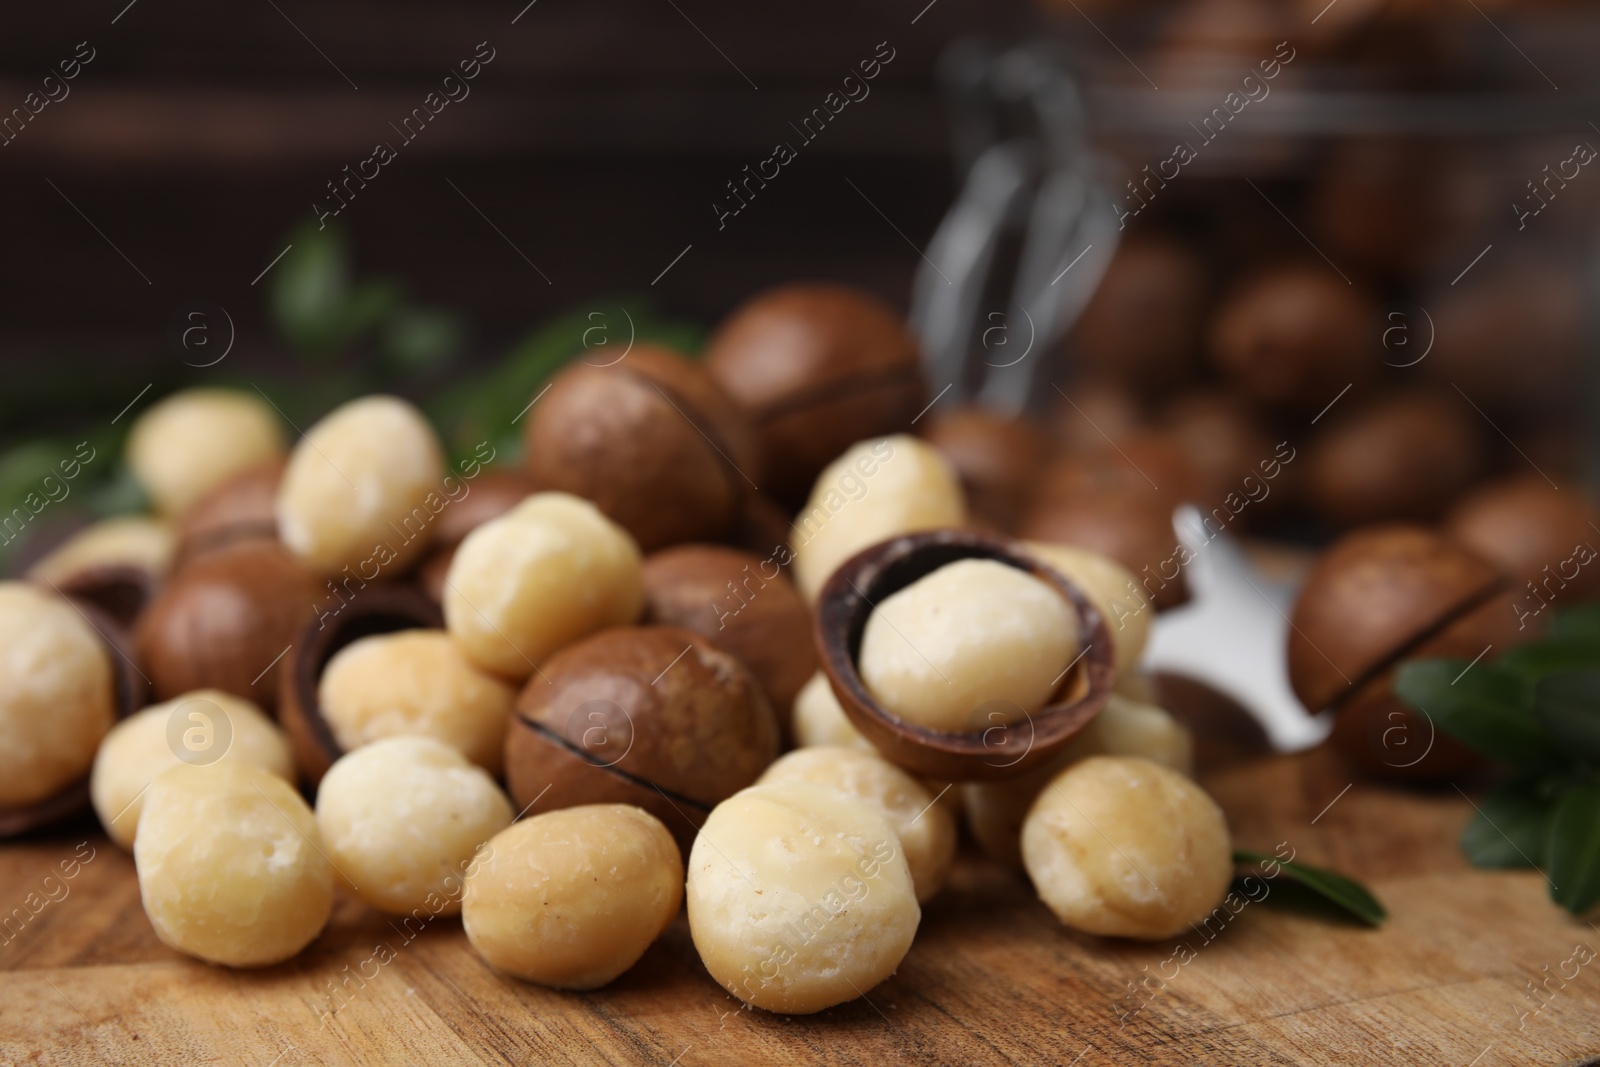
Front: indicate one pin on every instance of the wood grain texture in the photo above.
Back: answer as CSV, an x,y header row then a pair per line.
x,y
991,979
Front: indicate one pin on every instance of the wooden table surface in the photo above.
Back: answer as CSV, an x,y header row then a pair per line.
x,y
991,979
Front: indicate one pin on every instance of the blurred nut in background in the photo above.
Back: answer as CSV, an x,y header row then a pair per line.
x,y
816,368
231,866
1124,847
1142,328
244,506
402,820
741,603
1401,456
362,488
571,899
875,490
653,716
1131,527
651,440
996,457
1224,443
199,728
224,621
1295,336
57,696
540,576
1534,532
116,564
415,683
195,440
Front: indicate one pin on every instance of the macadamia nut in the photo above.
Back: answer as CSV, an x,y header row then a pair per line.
x,y
1110,587
974,643
572,898
876,490
402,818
547,572
1126,848
362,489
197,439
819,720
230,865
56,694
926,830
995,810
127,541
199,728
799,897
415,682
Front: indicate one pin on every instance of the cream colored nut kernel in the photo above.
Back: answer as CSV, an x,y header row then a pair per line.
x,y
231,867
195,440
877,490
547,572
415,682
926,830
572,898
362,489
974,643
1110,588
1125,847
995,810
56,694
128,541
198,728
402,819
819,720
799,897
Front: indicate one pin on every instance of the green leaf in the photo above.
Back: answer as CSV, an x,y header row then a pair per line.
x,y
1484,707
1508,827
420,339
1572,849
1336,888
1579,625
1568,703
310,290
1532,662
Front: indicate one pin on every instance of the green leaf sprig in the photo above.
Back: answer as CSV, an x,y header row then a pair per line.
x,y
1340,890
1538,709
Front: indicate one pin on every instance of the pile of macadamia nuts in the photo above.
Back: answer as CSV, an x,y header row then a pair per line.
x,y
567,698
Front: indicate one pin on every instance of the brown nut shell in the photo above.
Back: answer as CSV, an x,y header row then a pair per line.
x,y
1403,457
129,694
651,440
649,715
1132,527
996,457
225,619
982,754
120,590
1381,735
1371,598
742,603
1142,328
242,507
1531,530
816,367
378,609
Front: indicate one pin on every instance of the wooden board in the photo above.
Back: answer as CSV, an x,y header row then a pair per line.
x,y
991,979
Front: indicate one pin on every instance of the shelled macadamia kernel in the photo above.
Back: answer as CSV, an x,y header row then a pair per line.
x,y
799,897
547,572
56,694
195,440
136,541
876,490
199,728
415,682
231,867
819,720
1111,588
973,643
402,820
926,830
362,489
1125,847
572,898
